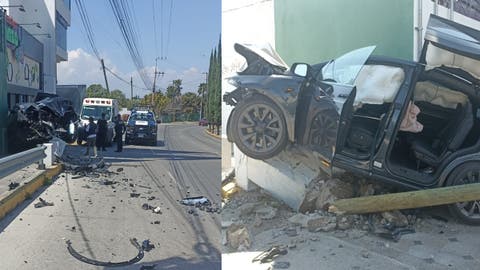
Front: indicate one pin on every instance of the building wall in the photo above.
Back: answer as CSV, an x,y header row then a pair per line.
x,y
43,12
243,21
313,31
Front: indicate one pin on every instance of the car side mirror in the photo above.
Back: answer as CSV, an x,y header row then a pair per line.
x,y
301,69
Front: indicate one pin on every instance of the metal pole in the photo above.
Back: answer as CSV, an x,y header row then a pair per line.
x,y
452,3
3,86
154,81
105,75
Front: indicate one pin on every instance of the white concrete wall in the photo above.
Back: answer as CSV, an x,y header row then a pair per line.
x,y
429,7
243,21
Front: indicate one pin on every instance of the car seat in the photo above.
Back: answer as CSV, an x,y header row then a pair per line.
x,y
449,139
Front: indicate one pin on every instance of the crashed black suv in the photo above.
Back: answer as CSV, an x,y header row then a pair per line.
x,y
414,124
141,127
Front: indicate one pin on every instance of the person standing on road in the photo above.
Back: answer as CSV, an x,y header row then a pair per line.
x,y
91,131
102,133
119,130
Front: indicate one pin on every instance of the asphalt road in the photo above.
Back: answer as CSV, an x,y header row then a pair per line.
x,y
100,220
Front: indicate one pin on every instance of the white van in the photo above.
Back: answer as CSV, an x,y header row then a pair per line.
x,y
94,107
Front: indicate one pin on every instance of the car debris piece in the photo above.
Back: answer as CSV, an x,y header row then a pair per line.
x,y
151,198
134,195
108,182
195,201
42,203
147,246
13,185
157,210
147,206
269,255
84,259
120,170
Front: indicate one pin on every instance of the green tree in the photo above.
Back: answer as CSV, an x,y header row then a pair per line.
x,y
97,91
120,96
190,102
175,89
214,89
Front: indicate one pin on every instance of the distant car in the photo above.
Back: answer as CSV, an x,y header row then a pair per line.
x,y
141,127
413,124
203,122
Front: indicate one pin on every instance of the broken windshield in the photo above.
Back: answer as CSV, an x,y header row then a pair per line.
x,y
345,68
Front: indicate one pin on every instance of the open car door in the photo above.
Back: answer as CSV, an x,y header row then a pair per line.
x,y
453,45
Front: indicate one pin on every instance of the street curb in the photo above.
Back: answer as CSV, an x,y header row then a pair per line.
x,y
23,192
213,135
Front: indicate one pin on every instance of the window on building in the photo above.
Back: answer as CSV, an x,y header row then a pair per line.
x,y
61,31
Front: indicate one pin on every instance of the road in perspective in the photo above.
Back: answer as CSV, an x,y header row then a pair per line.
x,y
140,199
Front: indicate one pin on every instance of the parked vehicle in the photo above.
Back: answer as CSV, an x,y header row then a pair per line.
x,y
94,107
203,122
413,124
141,127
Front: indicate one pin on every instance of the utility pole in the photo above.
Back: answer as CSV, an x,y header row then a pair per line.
x,y
155,79
105,75
131,90
203,95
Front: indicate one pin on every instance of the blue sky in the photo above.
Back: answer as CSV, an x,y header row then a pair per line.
x,y
194,32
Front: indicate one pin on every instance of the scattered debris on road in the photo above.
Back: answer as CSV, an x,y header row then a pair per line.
x,y
269,255
147,246
119,170
194,201
42,203
134,195
13,185
157,210
84,259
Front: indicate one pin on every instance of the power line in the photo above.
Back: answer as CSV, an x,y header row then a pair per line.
x,y
155,27
169,27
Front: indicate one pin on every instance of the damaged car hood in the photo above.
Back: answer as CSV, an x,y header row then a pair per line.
x,y
261,59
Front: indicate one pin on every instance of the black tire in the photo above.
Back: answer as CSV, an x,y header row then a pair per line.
x,y
79,141
467,212
323,129
259,136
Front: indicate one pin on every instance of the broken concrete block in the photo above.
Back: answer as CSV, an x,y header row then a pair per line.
x,y
237,236
321,223
247,209
332,190
266,212
395,218
345,222
299,219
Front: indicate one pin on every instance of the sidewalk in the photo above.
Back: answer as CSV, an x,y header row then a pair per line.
x,y
29,180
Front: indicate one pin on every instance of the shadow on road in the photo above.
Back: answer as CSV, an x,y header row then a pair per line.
x,y
174,263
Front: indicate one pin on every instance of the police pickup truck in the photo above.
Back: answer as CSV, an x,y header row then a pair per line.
x,y
141,127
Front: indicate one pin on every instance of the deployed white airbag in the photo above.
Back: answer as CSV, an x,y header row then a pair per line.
x,y
378,84
438,95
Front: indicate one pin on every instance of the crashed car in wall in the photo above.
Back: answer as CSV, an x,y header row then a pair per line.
x,y
30,124
413,124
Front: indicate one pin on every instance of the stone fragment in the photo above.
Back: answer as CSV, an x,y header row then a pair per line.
x,y
332,190
238,236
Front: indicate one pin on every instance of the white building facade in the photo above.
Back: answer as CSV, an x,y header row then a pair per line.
x,y
47,21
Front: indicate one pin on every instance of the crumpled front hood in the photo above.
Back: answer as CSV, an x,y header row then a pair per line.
x,y
253,52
